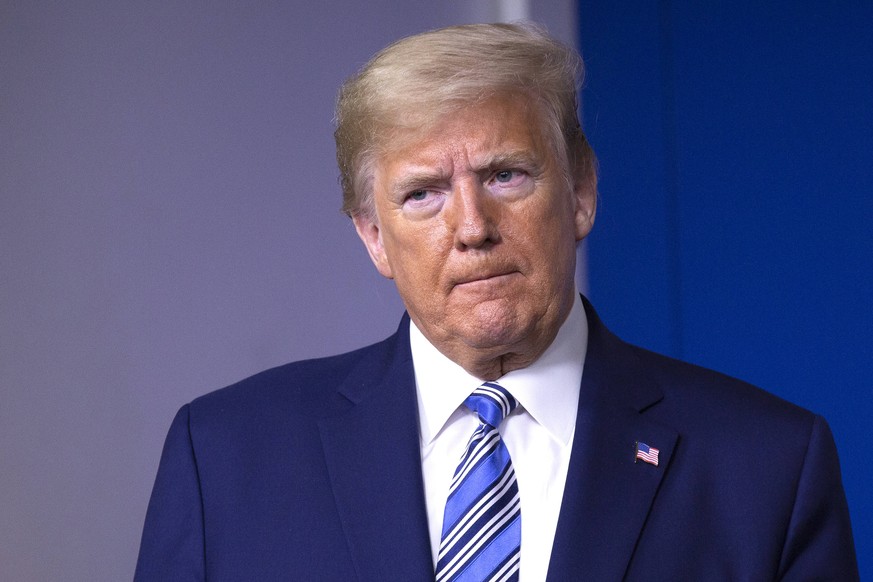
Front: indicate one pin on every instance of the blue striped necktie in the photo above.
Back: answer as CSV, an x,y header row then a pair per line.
x,y
481,537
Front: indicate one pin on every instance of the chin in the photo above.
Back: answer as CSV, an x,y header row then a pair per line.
x,y
493,331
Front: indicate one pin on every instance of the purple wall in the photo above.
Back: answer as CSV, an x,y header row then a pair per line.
x,y
168,224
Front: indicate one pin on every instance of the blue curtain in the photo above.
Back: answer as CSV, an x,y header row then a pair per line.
x,y
735,225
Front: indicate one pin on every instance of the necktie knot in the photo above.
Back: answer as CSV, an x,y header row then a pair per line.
x,y
492,403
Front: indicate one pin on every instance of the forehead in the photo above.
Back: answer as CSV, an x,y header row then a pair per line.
x,y
471,135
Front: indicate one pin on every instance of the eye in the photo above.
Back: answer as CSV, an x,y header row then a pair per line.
x,y
423,202
509,178
504,176
511,183
422,198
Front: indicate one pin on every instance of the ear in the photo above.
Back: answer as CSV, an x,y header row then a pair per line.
x,y
585,201
368,229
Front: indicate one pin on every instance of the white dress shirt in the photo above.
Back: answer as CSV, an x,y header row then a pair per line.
x,y
538,434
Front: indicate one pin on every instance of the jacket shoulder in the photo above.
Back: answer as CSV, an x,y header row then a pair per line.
x,y
712,395
310,388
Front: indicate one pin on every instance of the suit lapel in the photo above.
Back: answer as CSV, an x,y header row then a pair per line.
x,y
608,495
374,463
373,460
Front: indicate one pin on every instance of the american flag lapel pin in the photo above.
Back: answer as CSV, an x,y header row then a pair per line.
x,y
646,454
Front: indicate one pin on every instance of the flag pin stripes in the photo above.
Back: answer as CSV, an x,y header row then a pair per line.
x,y
646,454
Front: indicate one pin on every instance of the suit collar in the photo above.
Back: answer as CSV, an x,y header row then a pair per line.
x,y
613,374
608,495
374,463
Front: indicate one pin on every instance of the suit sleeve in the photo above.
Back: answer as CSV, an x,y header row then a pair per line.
x,y
819,543
172,539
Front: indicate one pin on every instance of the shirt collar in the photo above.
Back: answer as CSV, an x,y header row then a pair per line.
x,y
548,389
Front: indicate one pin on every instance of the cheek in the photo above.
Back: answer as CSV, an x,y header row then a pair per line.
x,y
546,238
416,261
543,226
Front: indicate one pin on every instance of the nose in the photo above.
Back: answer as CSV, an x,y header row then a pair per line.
x,y
474,216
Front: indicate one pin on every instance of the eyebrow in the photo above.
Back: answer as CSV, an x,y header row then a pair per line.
x,y
522,159
416,180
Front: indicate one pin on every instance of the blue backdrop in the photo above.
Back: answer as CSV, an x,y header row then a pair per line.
x,y
735,226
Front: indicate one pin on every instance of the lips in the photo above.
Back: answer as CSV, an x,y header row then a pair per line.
x,y
485,278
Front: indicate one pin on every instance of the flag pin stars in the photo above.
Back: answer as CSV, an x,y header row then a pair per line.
x,y
646,454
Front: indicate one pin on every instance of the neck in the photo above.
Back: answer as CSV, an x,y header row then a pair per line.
x,y
488,357
492,362
494,368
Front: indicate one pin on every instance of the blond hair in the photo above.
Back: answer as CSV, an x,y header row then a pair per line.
x,y
418,79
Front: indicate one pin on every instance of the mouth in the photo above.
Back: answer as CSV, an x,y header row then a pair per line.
x,y
484,280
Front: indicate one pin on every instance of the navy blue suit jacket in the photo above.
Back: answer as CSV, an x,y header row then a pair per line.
x,y
312,471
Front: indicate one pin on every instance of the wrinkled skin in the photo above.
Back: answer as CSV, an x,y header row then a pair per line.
x,y
477,224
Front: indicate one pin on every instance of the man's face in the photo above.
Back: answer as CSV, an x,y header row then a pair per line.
x,y
477,225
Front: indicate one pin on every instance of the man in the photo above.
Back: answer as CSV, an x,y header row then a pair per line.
x,y
502,432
